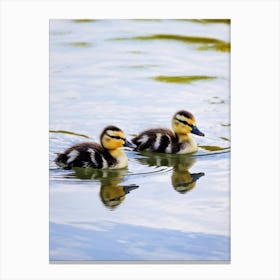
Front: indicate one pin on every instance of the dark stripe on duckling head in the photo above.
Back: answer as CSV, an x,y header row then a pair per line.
x,y
195,130
185,114
110,127
115,136
184,122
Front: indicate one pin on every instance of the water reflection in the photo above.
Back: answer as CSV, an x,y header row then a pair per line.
x,y
112,194
182,180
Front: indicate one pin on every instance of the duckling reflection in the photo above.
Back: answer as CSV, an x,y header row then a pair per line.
x,y
111,193
182,180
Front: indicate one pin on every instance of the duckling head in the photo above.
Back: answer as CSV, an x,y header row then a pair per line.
x,y
183,123
113,138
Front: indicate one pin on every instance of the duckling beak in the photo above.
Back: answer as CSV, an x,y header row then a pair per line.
x,y
129,144
196,131
196,176
129,188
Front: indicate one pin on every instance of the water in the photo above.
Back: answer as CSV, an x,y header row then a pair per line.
x,y
136,74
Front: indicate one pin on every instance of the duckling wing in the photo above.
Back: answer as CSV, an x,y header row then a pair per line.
x,y
159,140
86,154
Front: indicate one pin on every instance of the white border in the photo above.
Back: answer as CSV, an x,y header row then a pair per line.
x,y
255,138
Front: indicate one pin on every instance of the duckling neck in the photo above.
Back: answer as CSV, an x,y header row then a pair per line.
x,y
183,137
120,156
188,145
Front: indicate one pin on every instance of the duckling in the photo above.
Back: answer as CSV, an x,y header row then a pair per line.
x,y
164,140
93,155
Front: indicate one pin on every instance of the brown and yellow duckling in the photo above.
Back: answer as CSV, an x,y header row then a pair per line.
x,y
93,155
164,140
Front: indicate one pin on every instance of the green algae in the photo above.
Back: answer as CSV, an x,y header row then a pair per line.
x,y
182,38
69,132
144,66
213,148
222,47
204,43
84,20
210,21
79,44
218,102
182,79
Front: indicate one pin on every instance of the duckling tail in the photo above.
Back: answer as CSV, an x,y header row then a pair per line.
x,y
61,160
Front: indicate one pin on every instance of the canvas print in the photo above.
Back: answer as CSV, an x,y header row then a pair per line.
x,y
139,140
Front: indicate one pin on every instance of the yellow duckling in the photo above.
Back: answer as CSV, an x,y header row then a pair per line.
x,y
93,155
164,140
